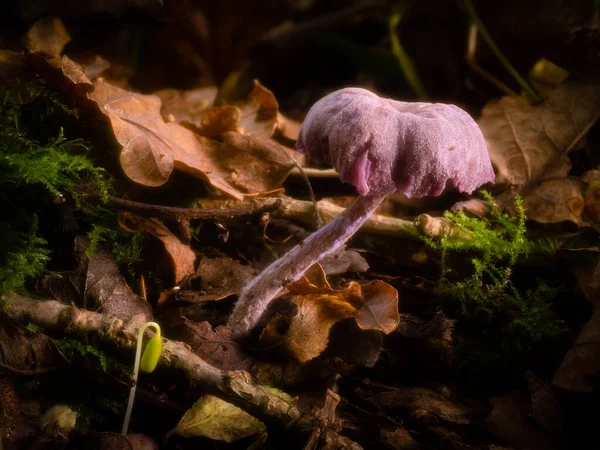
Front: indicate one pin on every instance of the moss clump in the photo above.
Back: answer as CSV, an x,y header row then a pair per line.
x,y
40,168
73,349
490,294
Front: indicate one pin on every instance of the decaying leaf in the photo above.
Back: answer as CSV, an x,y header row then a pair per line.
x,y
305,335
399,439
182,257
186,106
23,352
592,201
216,419
98,285
12,68
528,143
380,308
48,35
579,369
62,74
215,346
260,115
545,409
556,200
418,398
218,278
508,420
153,148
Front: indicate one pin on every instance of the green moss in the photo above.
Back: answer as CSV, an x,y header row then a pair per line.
x,y
490,293
73,349
40,167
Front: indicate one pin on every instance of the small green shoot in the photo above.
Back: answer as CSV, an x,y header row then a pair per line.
x,y
146,362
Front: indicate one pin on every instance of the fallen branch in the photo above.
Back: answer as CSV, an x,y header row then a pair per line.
x,y
303,212
176,213
236,387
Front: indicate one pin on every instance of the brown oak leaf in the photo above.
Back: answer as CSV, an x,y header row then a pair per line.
x,y
529,143
153,148
556,200
181,255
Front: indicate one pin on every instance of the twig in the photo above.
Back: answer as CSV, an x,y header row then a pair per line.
x,y
236,386
494,47
176,213
303,212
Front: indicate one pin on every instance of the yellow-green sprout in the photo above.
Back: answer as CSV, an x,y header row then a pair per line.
x,y
146,363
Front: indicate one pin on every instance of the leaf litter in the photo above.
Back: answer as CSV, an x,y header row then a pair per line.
x,y
242,149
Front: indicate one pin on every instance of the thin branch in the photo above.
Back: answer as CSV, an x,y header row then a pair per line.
x,y
303,212
236,386
176,213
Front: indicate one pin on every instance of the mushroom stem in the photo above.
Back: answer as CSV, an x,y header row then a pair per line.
x,y
257,295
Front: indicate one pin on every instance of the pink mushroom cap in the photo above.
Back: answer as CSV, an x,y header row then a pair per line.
x,y
381,145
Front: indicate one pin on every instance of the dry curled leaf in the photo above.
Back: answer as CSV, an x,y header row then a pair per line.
x,y
26,353
509,420
12,68
47,35
181,256
374,307
62,74
215,346
218,278
528,143
581,364
186,106
419,398
216,419
556,200
153,148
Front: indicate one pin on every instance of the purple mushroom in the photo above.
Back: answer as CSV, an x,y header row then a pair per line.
x,y
379,146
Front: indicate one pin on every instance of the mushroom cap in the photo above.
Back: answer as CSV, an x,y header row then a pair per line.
x,y
382,145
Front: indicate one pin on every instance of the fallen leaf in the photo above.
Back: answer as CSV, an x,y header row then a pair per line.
x,y
399,439
62,74
508,420
438,335
592,201
218,278
215,346
25,353
218,120
556,200
97,284
181,256
380,307
308,333
545,408
48,35
354,346
216,419
412,399
186,106
259,113
528,143
12,68
578,371
319,307
153,148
